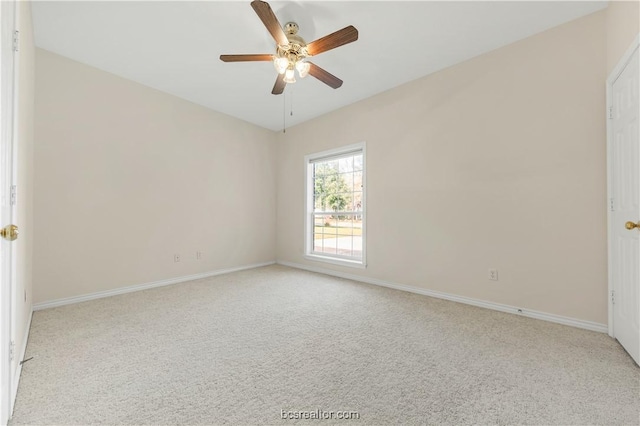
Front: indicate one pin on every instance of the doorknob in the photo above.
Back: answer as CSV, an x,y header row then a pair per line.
x,y
9,232
630,225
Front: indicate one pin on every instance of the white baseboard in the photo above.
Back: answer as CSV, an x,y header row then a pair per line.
x,y
139,287
588,325
20,357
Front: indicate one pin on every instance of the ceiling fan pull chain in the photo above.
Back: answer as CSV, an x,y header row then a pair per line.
x,y
291,90
284,113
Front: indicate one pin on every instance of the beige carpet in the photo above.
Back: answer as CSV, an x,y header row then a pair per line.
x,y
239,348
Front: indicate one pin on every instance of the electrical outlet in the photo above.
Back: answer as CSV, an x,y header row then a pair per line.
x,y
176,258
198,255
493,274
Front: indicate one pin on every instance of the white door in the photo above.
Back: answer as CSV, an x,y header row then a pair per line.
x,y
624,231
7,207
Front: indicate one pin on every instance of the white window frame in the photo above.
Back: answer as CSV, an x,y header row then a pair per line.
x,y
309,207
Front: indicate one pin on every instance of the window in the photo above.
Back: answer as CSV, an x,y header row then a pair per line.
x,y
335,206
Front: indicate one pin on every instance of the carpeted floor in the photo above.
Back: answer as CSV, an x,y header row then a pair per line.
x,y
240,348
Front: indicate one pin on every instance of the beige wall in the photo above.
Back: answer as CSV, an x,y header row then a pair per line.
x,y
623,26
24,220
127,176
498,162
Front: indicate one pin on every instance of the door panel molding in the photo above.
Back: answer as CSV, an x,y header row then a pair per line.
x,y
616,162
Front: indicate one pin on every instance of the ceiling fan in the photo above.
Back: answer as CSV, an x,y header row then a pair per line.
x,y
292,51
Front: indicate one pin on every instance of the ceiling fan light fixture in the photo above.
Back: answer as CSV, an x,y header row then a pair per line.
x,y
289,76
303,68
280,64
292,50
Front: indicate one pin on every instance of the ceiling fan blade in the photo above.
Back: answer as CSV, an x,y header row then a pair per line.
x,y
341,37
324,76
270,21
245,58
278,88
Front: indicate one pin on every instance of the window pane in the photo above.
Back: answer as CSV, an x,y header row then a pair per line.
x,y
358,162
338,206
338,235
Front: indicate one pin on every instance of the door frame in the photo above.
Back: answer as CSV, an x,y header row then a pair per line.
x,y
8,166
617,70
15,366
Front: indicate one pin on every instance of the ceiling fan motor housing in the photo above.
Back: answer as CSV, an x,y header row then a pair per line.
x,y
297,47
293,53
291,28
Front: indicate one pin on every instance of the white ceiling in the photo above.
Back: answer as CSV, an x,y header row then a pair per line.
x,y
175,46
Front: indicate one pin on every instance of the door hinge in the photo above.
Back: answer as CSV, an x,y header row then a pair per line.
x,y
16,40
611,204
12,346
613,297
13,195
610,112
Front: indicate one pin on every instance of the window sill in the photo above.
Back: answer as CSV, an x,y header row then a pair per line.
x,y
336,261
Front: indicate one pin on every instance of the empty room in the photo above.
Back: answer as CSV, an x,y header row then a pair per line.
x,y
319,212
